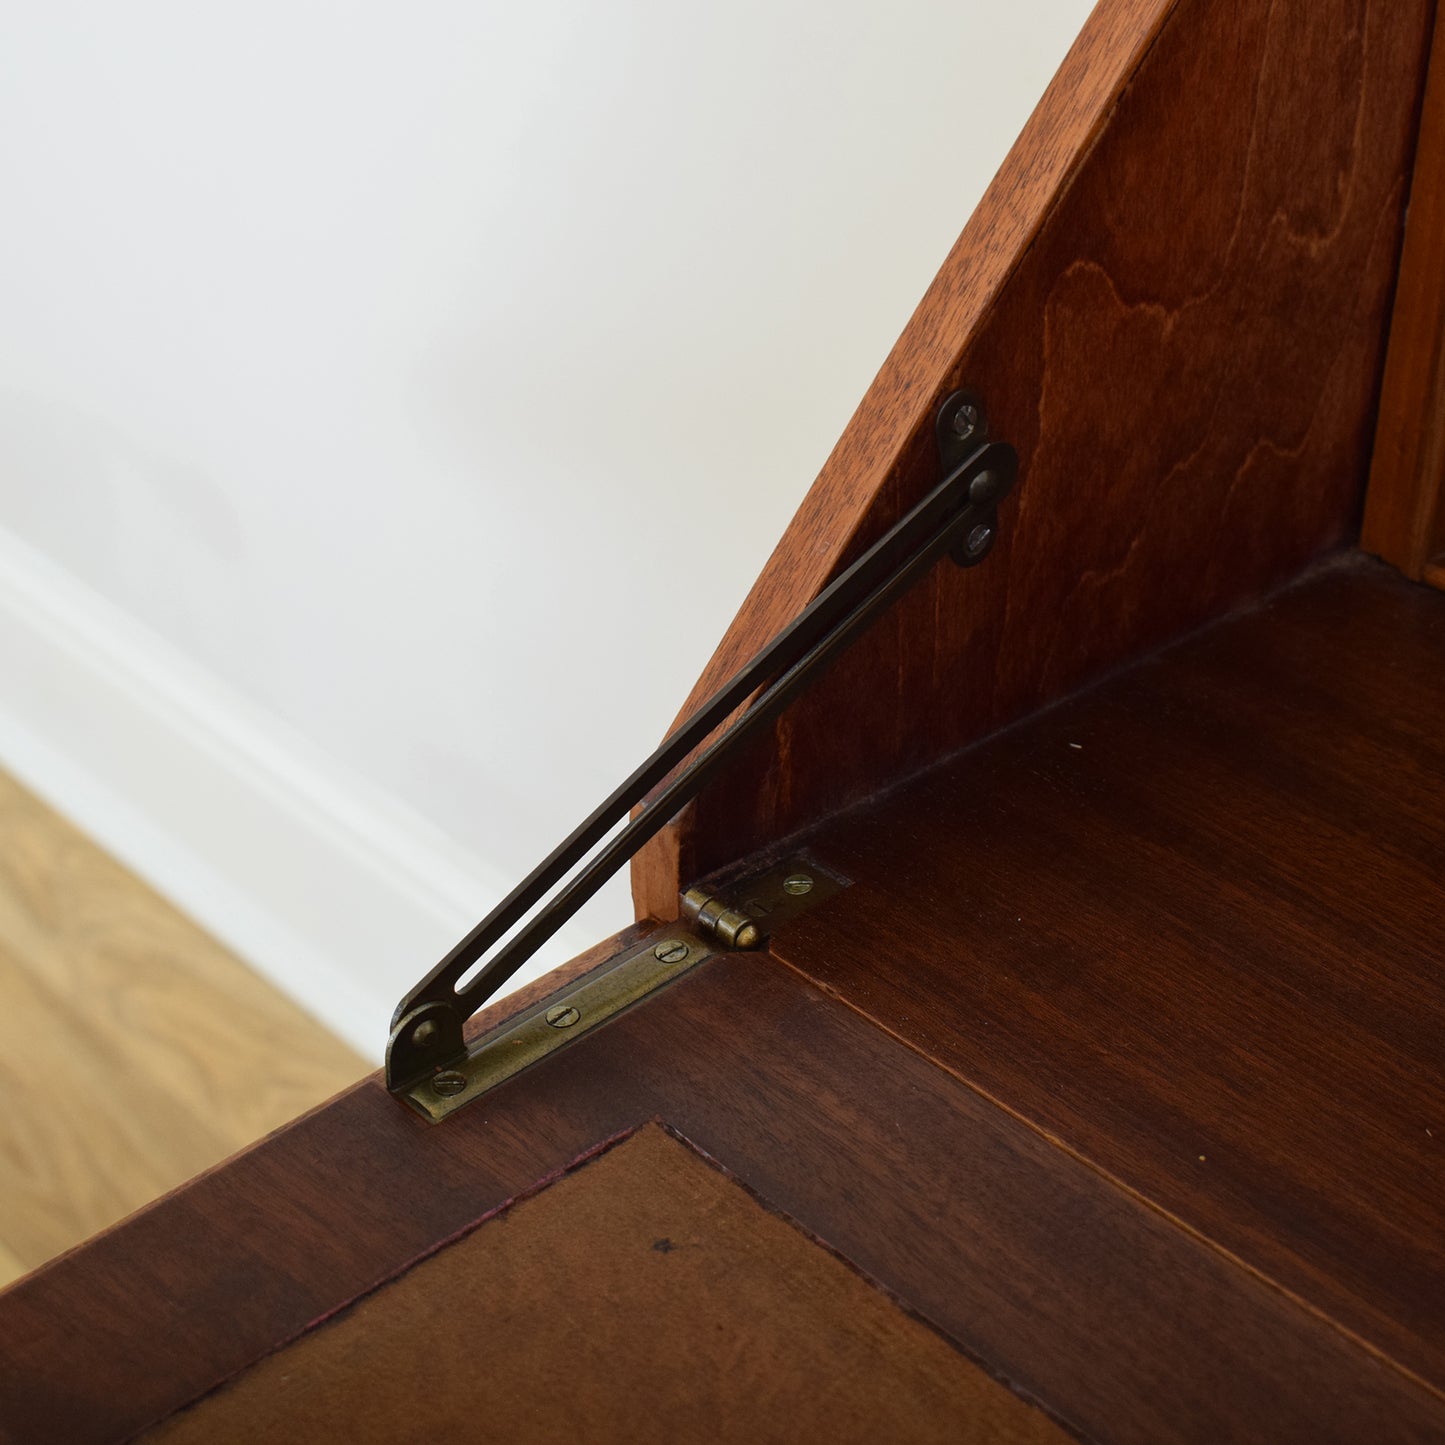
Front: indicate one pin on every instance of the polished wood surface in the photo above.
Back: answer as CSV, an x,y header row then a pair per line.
x,y
1405,509
135,1051
716,1309
1181,328
1190,925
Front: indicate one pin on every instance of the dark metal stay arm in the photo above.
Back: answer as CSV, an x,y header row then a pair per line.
x,y
959,516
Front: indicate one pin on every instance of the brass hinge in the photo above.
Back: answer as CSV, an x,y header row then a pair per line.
x,y
709,926
568,1015
746,913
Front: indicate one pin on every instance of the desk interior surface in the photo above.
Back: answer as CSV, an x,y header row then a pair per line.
x,y
1191,923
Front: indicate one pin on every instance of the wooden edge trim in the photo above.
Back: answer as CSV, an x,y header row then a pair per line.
x,y
1405,504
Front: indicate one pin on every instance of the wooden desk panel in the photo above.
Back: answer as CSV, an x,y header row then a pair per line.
x,y
1183,335
1192,925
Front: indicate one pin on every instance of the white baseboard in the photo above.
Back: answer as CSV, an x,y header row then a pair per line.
x,y
333,891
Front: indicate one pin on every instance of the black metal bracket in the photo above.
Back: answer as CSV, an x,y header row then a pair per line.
x,y
959,517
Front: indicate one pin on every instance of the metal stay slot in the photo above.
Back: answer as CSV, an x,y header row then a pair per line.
x,y
959,517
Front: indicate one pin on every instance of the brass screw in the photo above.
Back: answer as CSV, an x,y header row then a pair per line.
x,y
672,950
424,1035
798,883
562,1015
448,1083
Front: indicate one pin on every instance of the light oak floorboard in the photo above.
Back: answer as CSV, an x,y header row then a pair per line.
x,y
10,1267
135,1051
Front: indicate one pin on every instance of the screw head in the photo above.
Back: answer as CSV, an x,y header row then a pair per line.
x,y
965,420
562,1015
424,1035
798,883
671,950
978,540
448,1083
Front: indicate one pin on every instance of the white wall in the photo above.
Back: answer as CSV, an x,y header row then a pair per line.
x,y
409,393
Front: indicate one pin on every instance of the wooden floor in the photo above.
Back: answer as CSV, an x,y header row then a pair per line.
x,y
135,1051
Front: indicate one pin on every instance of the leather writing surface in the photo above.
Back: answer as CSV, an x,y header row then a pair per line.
x,y
644,1297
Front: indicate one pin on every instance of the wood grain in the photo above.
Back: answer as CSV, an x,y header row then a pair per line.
x,y
716,1308
1182,332
134,1050
1073,1291
1189,925
1405,505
